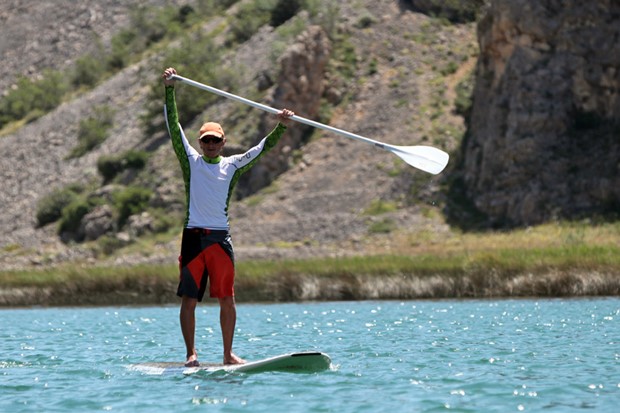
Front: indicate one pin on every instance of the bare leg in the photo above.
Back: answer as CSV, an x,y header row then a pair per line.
x,y
188,328
228,319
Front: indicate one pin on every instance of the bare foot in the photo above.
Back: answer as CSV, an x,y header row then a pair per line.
x,y
233,359
192,361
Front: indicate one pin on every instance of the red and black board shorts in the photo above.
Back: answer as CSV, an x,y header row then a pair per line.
x,y
206,255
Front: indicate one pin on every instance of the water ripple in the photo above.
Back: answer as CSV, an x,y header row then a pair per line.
x,y
492,356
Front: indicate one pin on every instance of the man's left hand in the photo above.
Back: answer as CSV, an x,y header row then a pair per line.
x,y
284,116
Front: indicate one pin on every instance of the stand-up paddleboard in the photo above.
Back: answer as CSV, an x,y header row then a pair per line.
x,y
308,362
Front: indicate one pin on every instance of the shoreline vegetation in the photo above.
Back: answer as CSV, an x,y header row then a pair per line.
x,y
553,260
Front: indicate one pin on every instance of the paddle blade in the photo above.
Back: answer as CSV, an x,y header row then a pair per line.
x,y
425,158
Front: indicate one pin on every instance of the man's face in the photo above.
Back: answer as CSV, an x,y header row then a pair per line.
x,y
211,146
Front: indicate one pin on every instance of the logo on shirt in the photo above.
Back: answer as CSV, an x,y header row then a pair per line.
x,y
240,158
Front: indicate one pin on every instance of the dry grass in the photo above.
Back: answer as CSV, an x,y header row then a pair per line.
x,y
550,260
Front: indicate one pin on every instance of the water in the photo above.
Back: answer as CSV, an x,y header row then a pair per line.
x,y
389,356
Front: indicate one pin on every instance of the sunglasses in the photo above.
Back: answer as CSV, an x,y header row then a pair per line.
x,y
211,139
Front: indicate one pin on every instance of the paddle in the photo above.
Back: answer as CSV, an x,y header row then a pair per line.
x,y
425,158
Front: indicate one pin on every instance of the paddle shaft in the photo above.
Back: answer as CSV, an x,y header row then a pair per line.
x,y
276,111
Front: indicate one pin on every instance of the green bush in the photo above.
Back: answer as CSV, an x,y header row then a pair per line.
x,y
464,95
165,219
87,71
49,208
130,201
111,165
120,49
449,69
384,226
379,206
33,97
135,159
93,131
365,21
250,17
72,215
108,244
373,66
344,62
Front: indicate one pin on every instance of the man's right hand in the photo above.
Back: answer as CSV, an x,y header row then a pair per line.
x,y
167,73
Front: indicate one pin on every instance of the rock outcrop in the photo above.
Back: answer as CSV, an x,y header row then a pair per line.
x,y
543,138
300,86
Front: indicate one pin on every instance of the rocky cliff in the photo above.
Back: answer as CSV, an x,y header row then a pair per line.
x,y
543,141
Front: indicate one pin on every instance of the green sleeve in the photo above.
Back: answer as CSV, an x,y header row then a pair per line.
x,y
274,137
172,120
271,140
174,129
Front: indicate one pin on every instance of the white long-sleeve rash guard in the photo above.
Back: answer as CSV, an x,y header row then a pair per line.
x,y
209,183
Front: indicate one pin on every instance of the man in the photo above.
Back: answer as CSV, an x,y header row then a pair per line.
x,y
206,246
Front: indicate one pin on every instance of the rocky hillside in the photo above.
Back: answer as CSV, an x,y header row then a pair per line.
x,y
394,81
38,35
543,141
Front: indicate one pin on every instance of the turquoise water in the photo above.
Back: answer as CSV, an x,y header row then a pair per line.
x,y
389,356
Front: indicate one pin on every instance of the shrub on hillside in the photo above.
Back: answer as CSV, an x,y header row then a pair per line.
x,y
72,216
109,166
93,131
250,17
49,208
32,97
87,71
464,96
130,201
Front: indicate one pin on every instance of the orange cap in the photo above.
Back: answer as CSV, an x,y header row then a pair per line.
x,y
211,128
